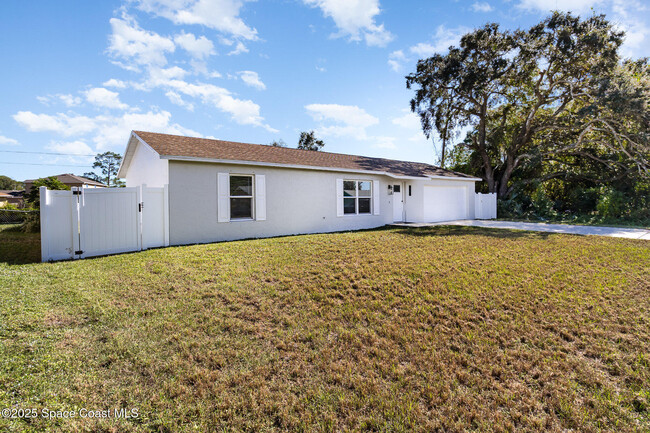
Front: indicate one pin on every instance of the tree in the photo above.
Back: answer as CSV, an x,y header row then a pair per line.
x,y
308,141
93,176
109,164
52,183
532,97
7,183
278,143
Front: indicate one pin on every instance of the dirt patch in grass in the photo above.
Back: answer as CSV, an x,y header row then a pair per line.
x,y
436,329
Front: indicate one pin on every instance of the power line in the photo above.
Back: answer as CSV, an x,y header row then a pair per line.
x,y
33,163
46,153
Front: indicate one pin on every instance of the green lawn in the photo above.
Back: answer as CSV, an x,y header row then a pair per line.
x,y
17,247
436,329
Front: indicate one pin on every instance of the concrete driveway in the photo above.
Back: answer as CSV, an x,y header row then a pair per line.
x,y
615,232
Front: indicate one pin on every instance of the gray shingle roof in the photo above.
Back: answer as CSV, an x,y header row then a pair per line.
x,y
180,146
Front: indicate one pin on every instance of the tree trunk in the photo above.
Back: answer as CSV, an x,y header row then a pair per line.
x,y
503,189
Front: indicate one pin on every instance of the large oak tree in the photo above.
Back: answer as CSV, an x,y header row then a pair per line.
x,y
554,94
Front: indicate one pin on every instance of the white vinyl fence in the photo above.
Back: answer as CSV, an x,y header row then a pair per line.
x,y
485,206
88,222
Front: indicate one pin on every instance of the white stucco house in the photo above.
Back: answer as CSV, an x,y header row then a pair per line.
x,y
223,190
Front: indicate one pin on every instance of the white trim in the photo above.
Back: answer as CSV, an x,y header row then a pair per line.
x,y
311,167
357,197
259,197
339,197
375,197
223,197
251,197
130,150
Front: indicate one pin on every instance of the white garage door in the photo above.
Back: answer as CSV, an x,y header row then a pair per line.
x,y
445,203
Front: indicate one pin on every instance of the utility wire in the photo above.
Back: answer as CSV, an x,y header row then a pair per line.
x,y
33,163
46,153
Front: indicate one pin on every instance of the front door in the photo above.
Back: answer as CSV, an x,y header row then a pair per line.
x,y
398,204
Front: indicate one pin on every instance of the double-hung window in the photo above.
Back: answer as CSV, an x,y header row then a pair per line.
x,y
357,197
241,196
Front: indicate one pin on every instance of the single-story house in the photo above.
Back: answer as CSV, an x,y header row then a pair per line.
x,y
223,190
70,180
14,197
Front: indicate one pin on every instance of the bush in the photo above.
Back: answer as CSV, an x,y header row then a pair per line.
x,y
9,206
611,204
32,223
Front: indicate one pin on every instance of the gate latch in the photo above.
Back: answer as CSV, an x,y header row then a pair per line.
x,y
140,207
78,252
76,192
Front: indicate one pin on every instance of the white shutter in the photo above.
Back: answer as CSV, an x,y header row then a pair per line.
x,y
339,197
223,197
260,197
375,197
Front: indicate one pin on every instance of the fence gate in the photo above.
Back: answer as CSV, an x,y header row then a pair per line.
x,y
88,222
485,206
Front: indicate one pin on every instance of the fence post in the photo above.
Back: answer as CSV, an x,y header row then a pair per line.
x,y
45,247
139,193
166,213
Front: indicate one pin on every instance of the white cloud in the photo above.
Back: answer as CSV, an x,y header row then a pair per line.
x,y
76,147
8,141
102,97
355,19
384,142
244,112
107,132
252,79
67,99
118,84
443,39
239,49
177,99
482,7
396,60
348,120
60,123
636,31
160,76
130,43
112,132
564,5
409,120
198,48
221,15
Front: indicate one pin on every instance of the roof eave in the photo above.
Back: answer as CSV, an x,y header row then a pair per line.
x,y
128,154
309,167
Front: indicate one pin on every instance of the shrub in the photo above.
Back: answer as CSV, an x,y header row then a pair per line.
x,y
32,223
611,204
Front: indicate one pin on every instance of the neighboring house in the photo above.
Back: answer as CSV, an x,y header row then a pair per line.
x,y
223,190
14,197
70,180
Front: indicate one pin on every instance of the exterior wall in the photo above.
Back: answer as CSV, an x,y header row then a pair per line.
x,y
147,168
414,204
297,202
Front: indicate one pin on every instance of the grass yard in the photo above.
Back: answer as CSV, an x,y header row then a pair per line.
x,y
437,329
17,247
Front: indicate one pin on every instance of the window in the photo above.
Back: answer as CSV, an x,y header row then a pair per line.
x,y
396,188
241,197
409,190
357,196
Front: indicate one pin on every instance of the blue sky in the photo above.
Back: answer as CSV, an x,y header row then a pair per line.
x,y
78,76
